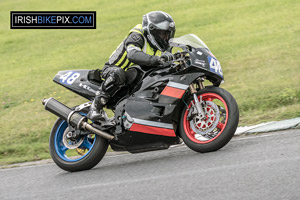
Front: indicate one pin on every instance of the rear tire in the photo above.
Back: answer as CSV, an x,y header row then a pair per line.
x,y
217,130
95,146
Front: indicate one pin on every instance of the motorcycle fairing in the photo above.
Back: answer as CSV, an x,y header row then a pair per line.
x,y
152,112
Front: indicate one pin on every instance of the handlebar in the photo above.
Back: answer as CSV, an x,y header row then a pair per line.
x,y
179,59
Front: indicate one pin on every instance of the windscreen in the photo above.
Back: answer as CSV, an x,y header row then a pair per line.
x,y
190,40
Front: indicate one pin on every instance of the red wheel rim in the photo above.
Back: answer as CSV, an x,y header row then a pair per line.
x,y
221,126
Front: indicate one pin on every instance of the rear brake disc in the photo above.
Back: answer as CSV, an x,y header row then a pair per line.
x,y
71,143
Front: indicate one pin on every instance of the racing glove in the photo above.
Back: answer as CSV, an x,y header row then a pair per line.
x,y
167,56
164,64
165,60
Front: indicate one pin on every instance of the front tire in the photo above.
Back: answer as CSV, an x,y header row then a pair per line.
x,y
219,125
88,154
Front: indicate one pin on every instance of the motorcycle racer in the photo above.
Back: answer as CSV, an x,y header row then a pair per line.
x,y
147,45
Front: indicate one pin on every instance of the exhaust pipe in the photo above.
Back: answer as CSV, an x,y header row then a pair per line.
x,y
72,117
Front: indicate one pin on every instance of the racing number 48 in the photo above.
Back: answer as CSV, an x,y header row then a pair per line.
x,y
69,77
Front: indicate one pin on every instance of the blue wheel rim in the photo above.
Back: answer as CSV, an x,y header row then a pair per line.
x,y
61,149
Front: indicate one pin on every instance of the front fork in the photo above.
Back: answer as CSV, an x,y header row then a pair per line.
x,y
198,104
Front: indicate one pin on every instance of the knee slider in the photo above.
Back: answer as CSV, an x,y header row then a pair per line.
x,y
120,74
110,82
114,80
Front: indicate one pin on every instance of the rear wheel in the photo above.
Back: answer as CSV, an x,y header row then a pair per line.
x,y
75,154
215,129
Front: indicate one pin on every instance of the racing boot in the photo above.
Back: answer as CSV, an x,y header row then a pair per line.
x,y
96,110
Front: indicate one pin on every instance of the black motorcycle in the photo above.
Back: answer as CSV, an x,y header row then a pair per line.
x,y
159,108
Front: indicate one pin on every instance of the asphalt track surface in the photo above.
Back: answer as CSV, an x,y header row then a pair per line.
x,y
264,166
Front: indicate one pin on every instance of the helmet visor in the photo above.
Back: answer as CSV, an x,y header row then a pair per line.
x,y
162,37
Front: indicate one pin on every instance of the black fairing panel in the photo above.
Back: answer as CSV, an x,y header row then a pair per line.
x,y
138,140
147,103
78,82
202,59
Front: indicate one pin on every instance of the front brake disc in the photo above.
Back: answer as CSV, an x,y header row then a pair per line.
x,y
207,125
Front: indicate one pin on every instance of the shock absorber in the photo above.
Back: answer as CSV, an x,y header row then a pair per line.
x,y
198,104
200,83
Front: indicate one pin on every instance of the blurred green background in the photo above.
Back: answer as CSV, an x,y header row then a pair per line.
x,y
257,43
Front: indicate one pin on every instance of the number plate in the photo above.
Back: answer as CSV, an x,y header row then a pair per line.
x,y
69,77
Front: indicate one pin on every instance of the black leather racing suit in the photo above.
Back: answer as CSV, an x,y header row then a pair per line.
x,y
115,76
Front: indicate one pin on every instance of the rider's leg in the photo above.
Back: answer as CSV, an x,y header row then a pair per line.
x,y
115,77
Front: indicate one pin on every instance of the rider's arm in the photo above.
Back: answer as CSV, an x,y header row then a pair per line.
x,y
134,44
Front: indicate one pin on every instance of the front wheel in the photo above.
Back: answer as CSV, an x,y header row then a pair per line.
x,y
216,128
75,154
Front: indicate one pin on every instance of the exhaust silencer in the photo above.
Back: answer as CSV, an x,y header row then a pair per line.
x,y
72,117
